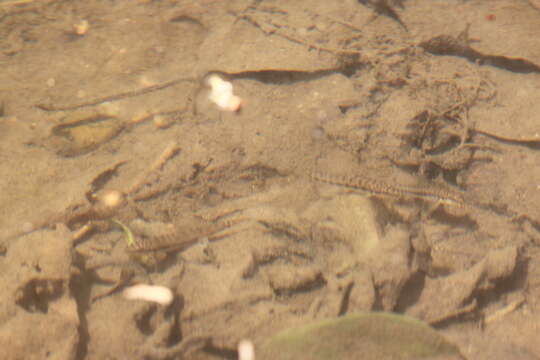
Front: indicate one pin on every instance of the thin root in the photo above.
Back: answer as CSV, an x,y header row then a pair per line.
x,y
171,150
116,97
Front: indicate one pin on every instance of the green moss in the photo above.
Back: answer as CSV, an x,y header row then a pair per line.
x,y
366,336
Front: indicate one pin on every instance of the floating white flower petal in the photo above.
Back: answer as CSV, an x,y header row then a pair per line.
x,y
155,293
246,350
221,94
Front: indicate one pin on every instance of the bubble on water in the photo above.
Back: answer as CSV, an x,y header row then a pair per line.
x,y
317,133
321,116
327,114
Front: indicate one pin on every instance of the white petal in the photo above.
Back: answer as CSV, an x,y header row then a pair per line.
x,y
221,94
155,293
246,350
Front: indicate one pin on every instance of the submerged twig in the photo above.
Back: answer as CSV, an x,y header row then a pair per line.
x,y
115,97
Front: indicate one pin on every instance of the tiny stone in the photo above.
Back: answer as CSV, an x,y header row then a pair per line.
x,y
162,122
82,27
27,226
317,133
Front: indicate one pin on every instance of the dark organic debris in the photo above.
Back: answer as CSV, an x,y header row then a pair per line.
x,y
449,45
381,7
283,76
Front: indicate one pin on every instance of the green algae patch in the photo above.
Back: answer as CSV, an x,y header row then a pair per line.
x,y
366,336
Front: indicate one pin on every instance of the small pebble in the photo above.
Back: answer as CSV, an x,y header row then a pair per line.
x,y
162,121
317,133
27,227
82,27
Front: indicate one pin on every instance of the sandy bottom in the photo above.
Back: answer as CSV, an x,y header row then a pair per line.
x,y
425,113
